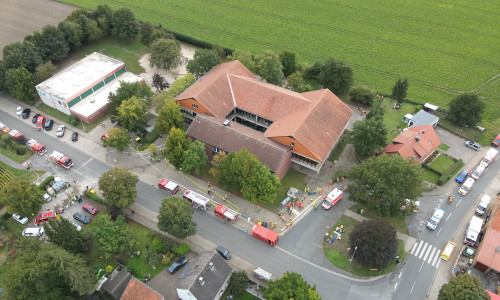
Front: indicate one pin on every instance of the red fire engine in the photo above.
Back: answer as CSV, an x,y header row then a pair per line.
x,y
168,186
61,160
225,213
35,146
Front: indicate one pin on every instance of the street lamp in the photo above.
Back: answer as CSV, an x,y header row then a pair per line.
x,y
350,261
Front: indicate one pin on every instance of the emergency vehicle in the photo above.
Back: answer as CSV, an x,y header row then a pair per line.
x,y
489,157
197,201
332,198
264,234
35,146
61,160
19,137
168,186
225,213
448,250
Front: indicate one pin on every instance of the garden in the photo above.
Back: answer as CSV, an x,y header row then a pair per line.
x,y
439,168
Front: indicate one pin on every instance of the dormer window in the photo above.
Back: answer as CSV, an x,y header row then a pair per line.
x,y
195,106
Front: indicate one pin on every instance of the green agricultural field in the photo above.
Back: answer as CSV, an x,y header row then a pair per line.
x,y
442,49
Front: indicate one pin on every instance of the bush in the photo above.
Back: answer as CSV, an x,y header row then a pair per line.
x,y
362,95
20,150
314,70
93,197
73,120
5,216
45,182
151,137
167,258
152,258
157,246
182,249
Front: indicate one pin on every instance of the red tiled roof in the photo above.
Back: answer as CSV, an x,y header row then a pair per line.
x,y
138,290
487,254
414,142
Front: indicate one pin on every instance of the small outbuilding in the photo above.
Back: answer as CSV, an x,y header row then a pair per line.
x,y
420,119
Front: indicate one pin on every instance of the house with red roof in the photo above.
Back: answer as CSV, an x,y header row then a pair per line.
x,y
488,253
230,108
418,142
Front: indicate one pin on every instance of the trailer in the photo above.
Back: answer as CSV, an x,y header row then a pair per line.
x,y
332,198
197,201
168,186
265,234
225,213
35,146
263,274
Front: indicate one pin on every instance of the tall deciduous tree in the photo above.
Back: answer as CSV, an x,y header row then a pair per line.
x,y
117,138
194,157
268,66
147,29
64,234
362,95
181,84
169,116
104,18
261,186
466,110
203,61
239,283
399,90
159,82
50,42
126,90
73,33
375,243
176,143
176,218
112,237
132,114
20,83
336,76
2,76
288,60
290,286
23,54
244,57
48,270
463,287
368,135
125,26
382,183
242,165
45,71
295,82
165,54
224,172
119,187
21,197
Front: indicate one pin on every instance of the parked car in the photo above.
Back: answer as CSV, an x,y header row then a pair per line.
x,y
82,218
223,252
60,130
38,231
20,219
177,265
496,141
35,118
48,125
74,137
473,145
77,227
462,176
19,110
47,197
40,122
4,128
90,209
435,219
26,113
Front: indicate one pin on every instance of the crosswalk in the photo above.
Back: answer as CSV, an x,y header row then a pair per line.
x,y
427,253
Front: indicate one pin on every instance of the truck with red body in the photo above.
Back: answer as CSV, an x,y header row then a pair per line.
x,y
226,213
35,146
264,234
332,198
19,137
197,201
61,160
168,186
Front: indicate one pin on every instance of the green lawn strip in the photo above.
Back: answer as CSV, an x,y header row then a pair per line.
x,y
294,179
340,147
56,114
444,147
13,155
131,59
393,118
398,222
337,253
468,133
430,176
246,296
21,173
442,163
17,227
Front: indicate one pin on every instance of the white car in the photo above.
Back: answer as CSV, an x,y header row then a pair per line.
x,y
78,228
60,130
47,197
19,110
20,219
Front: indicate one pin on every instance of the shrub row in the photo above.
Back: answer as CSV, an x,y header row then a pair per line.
x,y
182,249
45,182
196,42
93,197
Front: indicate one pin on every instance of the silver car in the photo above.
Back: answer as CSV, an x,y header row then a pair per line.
x,y
20,219
473,145
60,130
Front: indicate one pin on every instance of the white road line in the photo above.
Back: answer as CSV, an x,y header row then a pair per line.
x,y
432,255
412,287
421,266
439,231
439,261
418,249
414,247
448,216
436,259
428,252
400,275
396,285
459,202
423,250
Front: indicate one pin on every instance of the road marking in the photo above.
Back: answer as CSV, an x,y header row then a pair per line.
x,y
421,266
428,252
396,285
432,255
423,250
459,202
448,216
400,275
412,287
414,247
418,249
439,261
439,231
436,259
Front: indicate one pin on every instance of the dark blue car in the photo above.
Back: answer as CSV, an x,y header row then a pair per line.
x,y
462,176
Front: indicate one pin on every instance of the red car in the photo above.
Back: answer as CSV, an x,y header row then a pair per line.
x,y
496,141
40,122
90,209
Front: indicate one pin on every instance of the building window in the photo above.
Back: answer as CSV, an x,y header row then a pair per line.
x,y
195,106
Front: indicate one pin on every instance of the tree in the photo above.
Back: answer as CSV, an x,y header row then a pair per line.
x,y
383,183
463,287
362,95
44,71
194,157
147,29
224,172
268,66
24,54
368,135
73,34
21,197
2,76
132,114
290,286
169,116
288,60
20,83
93,32
261,186
238,283
203,61
295,82
336,76
64,234
117,138
242,165
181,84
105,18
48,270
51,43
126,90
375,243
119,187
176,218
314,70
125,25
165,54
244,57
399,90
159,82
176,143
466,110
112,237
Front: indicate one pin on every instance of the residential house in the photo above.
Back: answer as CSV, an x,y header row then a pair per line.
x,y
488,252
418,142
116,283
136,289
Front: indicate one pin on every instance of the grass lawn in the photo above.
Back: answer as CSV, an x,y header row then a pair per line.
x,y
63,118
344,139
337,254
430,176
13,155
393,119
21,173
398,222
15,226
246,296
444,147
292,179
442,163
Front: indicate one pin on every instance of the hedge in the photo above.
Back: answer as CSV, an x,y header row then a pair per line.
x,y
93,197
447,175
45,182
426,166
182,249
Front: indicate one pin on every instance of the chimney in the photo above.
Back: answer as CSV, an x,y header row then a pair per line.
x,y
201,281
417,138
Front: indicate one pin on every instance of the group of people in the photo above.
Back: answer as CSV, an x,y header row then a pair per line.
x,y
450,198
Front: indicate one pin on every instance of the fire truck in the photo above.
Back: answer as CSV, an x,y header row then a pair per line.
x,y
36,146
61,160
197,201
225,213
19,137
168,186
332,198
264,234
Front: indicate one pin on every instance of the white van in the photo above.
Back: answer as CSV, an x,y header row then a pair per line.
x,y
33,231
481,208
464,189
478,172
435,219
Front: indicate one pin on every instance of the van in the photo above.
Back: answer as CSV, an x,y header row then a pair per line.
x,y
473,230
478,172
448,250
483,205
490,156
435,219
44,217
464,189
33,231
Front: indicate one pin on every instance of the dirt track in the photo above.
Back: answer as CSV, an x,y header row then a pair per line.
x,y
19,18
